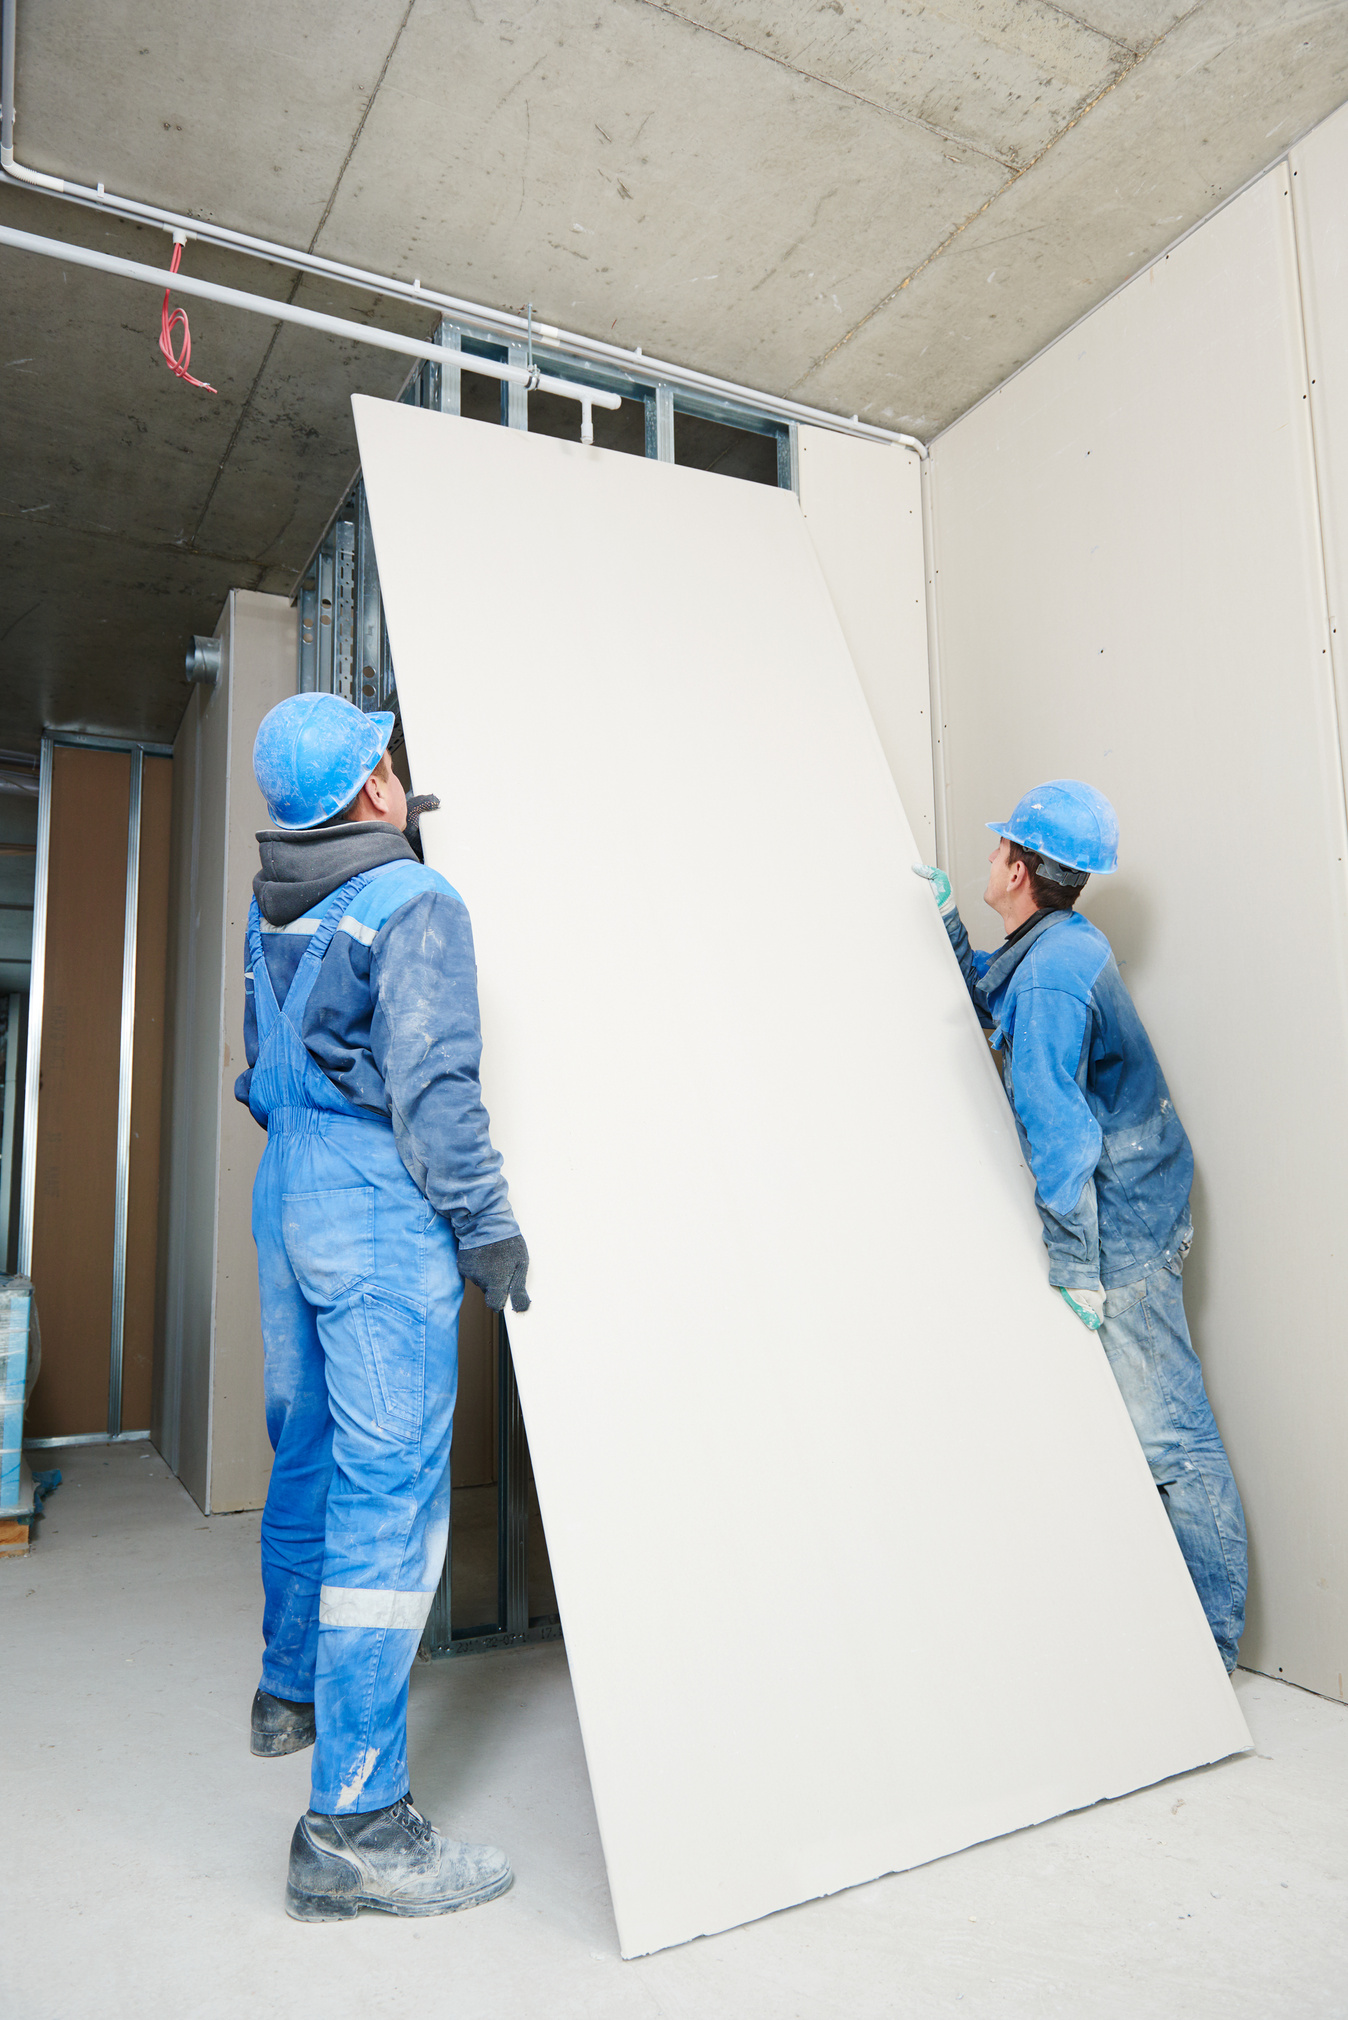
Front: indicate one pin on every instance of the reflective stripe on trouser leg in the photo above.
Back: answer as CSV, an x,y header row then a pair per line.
x,y
1146,1337
366,1606
299,1425
379,1268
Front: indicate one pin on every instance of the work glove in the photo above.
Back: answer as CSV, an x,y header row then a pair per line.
x,y
1089,1305
940,886
499,1269
419,804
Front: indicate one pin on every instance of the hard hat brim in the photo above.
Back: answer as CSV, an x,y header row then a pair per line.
x,y
1008,833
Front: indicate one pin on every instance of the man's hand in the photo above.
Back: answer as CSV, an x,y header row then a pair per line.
x,y
499,1269
940,886
1089,1305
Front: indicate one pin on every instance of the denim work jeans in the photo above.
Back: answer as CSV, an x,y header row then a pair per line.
x,y
1146,1336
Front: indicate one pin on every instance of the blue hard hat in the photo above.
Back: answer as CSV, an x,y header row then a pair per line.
x,y
1068,822
312,755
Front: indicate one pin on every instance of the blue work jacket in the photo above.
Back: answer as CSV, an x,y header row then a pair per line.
x,y
1112,1165
393,1016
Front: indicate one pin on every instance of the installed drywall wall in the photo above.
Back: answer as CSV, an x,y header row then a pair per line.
x,y
862,505
1130,590
1319,168
209,1417
780,1228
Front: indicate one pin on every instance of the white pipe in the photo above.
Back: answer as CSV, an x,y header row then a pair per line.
x,y
631,363
309,319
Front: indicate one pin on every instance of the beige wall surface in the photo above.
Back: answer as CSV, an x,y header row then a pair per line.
x,y
75,1177
863,511
208,1419
262,672
1130,590
190,1138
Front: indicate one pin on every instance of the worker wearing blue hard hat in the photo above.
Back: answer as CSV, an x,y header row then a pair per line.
x,y
377,1194
1111,1161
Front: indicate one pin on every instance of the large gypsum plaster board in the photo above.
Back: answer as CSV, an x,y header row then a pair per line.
x,y
858,1559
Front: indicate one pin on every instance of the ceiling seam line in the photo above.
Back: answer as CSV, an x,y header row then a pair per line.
x,y
244,410
20,618
295,284
887,300
1079,21
360,127
828,83
84,531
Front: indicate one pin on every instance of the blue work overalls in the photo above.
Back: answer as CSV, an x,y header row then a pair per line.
x,y
360,1291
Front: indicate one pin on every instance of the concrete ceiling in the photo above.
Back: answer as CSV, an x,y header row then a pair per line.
x,y
877,208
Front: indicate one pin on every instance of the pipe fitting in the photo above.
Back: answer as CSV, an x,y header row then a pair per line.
x,y
205,661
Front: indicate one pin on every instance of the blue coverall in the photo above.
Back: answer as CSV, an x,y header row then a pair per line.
x,y
1113,1171
363,1046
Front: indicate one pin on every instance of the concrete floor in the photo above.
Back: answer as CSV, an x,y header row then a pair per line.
x,y
147,1850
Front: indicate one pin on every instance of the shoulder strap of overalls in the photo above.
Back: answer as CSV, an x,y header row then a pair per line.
x,y
297,996
266,1009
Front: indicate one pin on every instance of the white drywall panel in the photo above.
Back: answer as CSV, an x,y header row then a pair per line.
x,y
1320,208
857,1557
862,504
1130,592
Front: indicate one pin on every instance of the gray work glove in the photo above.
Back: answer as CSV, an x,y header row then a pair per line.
x,y
1087,1303
417,805
499,1269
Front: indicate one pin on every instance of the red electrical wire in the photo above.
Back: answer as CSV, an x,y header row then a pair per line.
x,y
168,324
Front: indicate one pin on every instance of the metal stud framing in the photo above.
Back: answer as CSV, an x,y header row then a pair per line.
x,y
124,1097
512,1625
343,640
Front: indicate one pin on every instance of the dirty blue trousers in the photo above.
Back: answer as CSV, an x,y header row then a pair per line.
x,y
360,1291
1146,1338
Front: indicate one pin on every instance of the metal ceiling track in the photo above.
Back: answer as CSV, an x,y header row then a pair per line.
x,y
717,399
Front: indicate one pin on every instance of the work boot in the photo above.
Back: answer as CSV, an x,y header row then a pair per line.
x,y
392,1860
280,1726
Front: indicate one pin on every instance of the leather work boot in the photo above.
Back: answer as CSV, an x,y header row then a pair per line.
x,y
280,1727
391,1860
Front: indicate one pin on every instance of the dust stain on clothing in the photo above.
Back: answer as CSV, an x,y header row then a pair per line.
x,y
351,1791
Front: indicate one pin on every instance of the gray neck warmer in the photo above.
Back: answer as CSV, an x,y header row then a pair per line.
x,y
300,870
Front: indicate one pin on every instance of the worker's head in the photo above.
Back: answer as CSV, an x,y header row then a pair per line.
x,y
314,757
1059,835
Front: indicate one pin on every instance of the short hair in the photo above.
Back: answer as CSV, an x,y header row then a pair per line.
x,y
1049,894
385,766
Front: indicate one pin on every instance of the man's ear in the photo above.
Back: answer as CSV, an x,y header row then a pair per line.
x,y
380,779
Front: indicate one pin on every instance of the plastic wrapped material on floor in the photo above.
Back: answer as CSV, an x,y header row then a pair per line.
x,y
18,1372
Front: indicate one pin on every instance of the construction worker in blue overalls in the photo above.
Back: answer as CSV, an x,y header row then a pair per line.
x,y
1111,1161
377,1194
